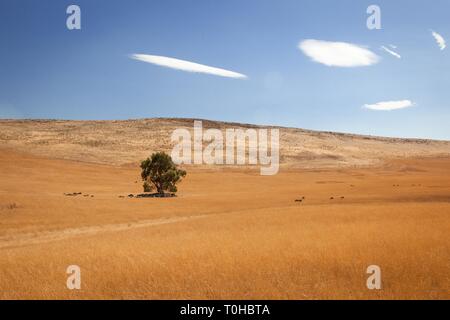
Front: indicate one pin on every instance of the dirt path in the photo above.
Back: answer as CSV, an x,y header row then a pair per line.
x,y
27,239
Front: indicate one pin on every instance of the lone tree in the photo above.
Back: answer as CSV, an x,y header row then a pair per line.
x,y
161,173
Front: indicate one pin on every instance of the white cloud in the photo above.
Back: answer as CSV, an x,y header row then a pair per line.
x,y
439,39
393,46
186,66
395,54
389,105
338,54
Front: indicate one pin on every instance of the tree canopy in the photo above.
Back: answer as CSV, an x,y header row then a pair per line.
x,y
161,173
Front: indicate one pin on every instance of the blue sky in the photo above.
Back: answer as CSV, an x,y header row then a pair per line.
x,y
48,71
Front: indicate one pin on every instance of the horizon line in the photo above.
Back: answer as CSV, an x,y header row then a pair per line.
x,y
242,124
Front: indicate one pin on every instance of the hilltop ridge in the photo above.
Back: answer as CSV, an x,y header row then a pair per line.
x,y
122,142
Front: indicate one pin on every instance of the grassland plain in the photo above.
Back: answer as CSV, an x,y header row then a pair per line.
x,y
230,233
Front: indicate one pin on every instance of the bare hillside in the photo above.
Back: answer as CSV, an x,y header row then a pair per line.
x,y
128,141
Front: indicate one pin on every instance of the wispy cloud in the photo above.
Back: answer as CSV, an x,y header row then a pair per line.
x,y
338,54
395,54
186,66
389,105
439,39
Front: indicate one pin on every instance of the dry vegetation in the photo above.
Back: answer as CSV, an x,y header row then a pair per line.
x,y
127,142
230,233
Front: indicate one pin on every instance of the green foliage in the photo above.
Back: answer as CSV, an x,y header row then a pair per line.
x,y
161,173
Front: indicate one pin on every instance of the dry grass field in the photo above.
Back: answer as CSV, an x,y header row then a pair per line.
x,y
231,233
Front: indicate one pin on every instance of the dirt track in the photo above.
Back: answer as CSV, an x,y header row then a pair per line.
x,y
27,239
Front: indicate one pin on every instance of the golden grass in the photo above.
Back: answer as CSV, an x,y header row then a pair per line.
x,y
233,234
